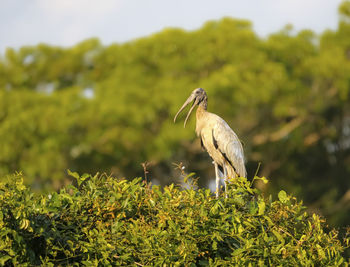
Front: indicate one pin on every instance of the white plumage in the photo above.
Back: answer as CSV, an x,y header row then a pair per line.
x,y
219,140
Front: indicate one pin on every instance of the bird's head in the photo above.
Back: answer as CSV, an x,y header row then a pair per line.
x,y
199,97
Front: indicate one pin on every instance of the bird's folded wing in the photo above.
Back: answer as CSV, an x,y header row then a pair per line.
x,y
228,143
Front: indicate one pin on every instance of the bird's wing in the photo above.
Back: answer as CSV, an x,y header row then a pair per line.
x,y
226,140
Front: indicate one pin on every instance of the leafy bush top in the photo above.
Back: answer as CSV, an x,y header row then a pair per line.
x,y
106,221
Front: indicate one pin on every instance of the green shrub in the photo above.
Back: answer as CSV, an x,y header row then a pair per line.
x,y
106,221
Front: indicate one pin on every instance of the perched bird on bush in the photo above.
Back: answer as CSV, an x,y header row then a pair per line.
x,y
217,138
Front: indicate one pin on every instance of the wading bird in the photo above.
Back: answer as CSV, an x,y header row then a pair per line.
x,y
217,138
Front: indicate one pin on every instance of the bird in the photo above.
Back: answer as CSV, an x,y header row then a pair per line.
x,y
217,138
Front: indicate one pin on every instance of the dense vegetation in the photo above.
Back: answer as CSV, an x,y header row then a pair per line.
x,y
93,108
104,221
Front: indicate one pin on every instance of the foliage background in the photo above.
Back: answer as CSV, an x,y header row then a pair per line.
x,y
93,108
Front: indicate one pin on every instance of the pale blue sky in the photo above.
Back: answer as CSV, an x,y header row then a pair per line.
x,y
66,22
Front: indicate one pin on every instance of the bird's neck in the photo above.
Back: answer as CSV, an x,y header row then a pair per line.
x,y
201,110
203,104
200,118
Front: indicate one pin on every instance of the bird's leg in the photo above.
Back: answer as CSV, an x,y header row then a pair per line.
x,y
217,176
226,178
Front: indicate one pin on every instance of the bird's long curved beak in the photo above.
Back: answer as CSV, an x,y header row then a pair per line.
x,y
189,113
191,98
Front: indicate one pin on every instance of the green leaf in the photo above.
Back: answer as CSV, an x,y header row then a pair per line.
x,y
187,177
253,208
4,259
264,180
282,196
279,236
320,251
261,206
238,251
73,174
214,245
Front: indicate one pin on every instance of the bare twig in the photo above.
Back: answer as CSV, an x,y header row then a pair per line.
x,y
145,171
257,169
